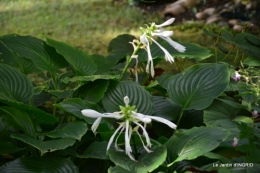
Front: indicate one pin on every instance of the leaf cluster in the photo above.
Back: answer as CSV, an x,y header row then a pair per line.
x,y
44,85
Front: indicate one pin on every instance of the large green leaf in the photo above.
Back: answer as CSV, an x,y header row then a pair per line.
x,y
96,150
11,58
221,114
49,164
247,41
103,64
43,56
75,130
252,61
14,85
57,83
231,102
248,92
75,106
119,47
147,162
216,156
79,60
61,94
92,91
89,78
192,143
163,107
138,96
19,119
118,169
45,146
198,85
195,118
209,32
164,79
38,115
227,35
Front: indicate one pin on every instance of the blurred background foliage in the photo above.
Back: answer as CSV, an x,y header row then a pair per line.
x,y
85,24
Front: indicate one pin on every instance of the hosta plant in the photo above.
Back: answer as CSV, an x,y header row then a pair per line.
x,y
64,110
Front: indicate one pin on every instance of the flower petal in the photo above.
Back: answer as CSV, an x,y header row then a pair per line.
x,y
131,157
91,113
163,120
94,114
168,56
126,100
113,136
115,115
128,148
146,148
163,33
144,39
166,23
145,134
150,60
141,117
96,124
116,146
174,44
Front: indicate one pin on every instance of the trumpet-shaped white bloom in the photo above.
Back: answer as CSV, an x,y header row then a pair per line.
x,y
156,30
128,117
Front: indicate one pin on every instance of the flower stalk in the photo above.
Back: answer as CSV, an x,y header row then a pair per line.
x,y
146,39
128,61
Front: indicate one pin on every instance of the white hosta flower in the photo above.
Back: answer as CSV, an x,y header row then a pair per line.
x,y
156,30
144,39
128,116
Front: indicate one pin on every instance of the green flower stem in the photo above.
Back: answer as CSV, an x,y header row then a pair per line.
x,y
145,79
243,57
54,107
55,99
236,56
216,50
179,64
228,52
129,61
180,118
63,118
